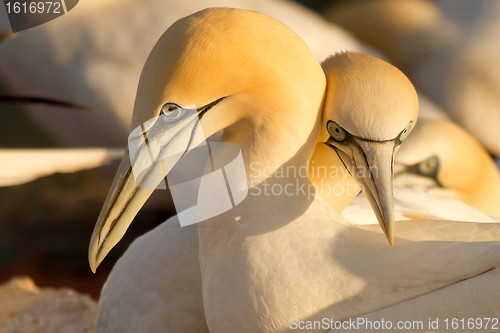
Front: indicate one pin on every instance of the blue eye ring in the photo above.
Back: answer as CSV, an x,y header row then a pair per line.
x,y
335,131
405,132
171,111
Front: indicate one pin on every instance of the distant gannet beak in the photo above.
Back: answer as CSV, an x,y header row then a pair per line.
x,y
371,164
154,148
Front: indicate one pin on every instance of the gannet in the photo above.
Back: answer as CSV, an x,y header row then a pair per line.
x,y
94,55
220,55
447,47
442,159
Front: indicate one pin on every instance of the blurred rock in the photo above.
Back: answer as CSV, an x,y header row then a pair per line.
x,y
26,308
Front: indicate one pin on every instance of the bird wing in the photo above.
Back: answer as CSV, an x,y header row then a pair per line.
x,y
426,256
475,298
411,204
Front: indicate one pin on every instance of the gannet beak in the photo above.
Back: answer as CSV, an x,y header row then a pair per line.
x,y
123,202
371,164
154,148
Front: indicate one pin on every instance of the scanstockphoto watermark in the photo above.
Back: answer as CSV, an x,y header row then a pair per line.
x,y
329,180
365,324
356,324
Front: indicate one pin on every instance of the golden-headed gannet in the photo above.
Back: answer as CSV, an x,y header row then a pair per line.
x,y
273,258
94,55
448,48
246,73
357,129
444,160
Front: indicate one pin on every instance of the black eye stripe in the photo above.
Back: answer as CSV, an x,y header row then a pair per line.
x,y
201,111
204,109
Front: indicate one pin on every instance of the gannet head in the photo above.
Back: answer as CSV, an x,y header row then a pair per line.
x,y
219,69
444,160
370,108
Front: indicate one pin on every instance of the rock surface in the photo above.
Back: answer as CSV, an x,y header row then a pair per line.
x,y
26,308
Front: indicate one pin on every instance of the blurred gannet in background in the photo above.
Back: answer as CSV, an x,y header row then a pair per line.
x,y
20,166
408,32
449,48
274,258
443,160
428,110
94,54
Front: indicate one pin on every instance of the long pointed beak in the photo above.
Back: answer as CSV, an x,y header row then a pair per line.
x,y
154,149
123,202
372,166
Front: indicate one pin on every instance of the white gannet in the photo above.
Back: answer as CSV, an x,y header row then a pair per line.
x,y
20,166
448,48
94,55
273,258
213,54
443,160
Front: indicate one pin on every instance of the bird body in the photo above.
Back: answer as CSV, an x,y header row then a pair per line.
x,y
171,293
171,296
319,266
168,297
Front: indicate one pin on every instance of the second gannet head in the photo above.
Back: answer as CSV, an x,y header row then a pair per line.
x,y
444,160
219,69
370,108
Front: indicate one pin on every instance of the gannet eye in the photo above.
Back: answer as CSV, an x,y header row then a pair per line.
x,y
335,131
171,111
430,166
405,132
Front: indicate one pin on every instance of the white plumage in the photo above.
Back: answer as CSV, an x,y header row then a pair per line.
x,y
170,294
